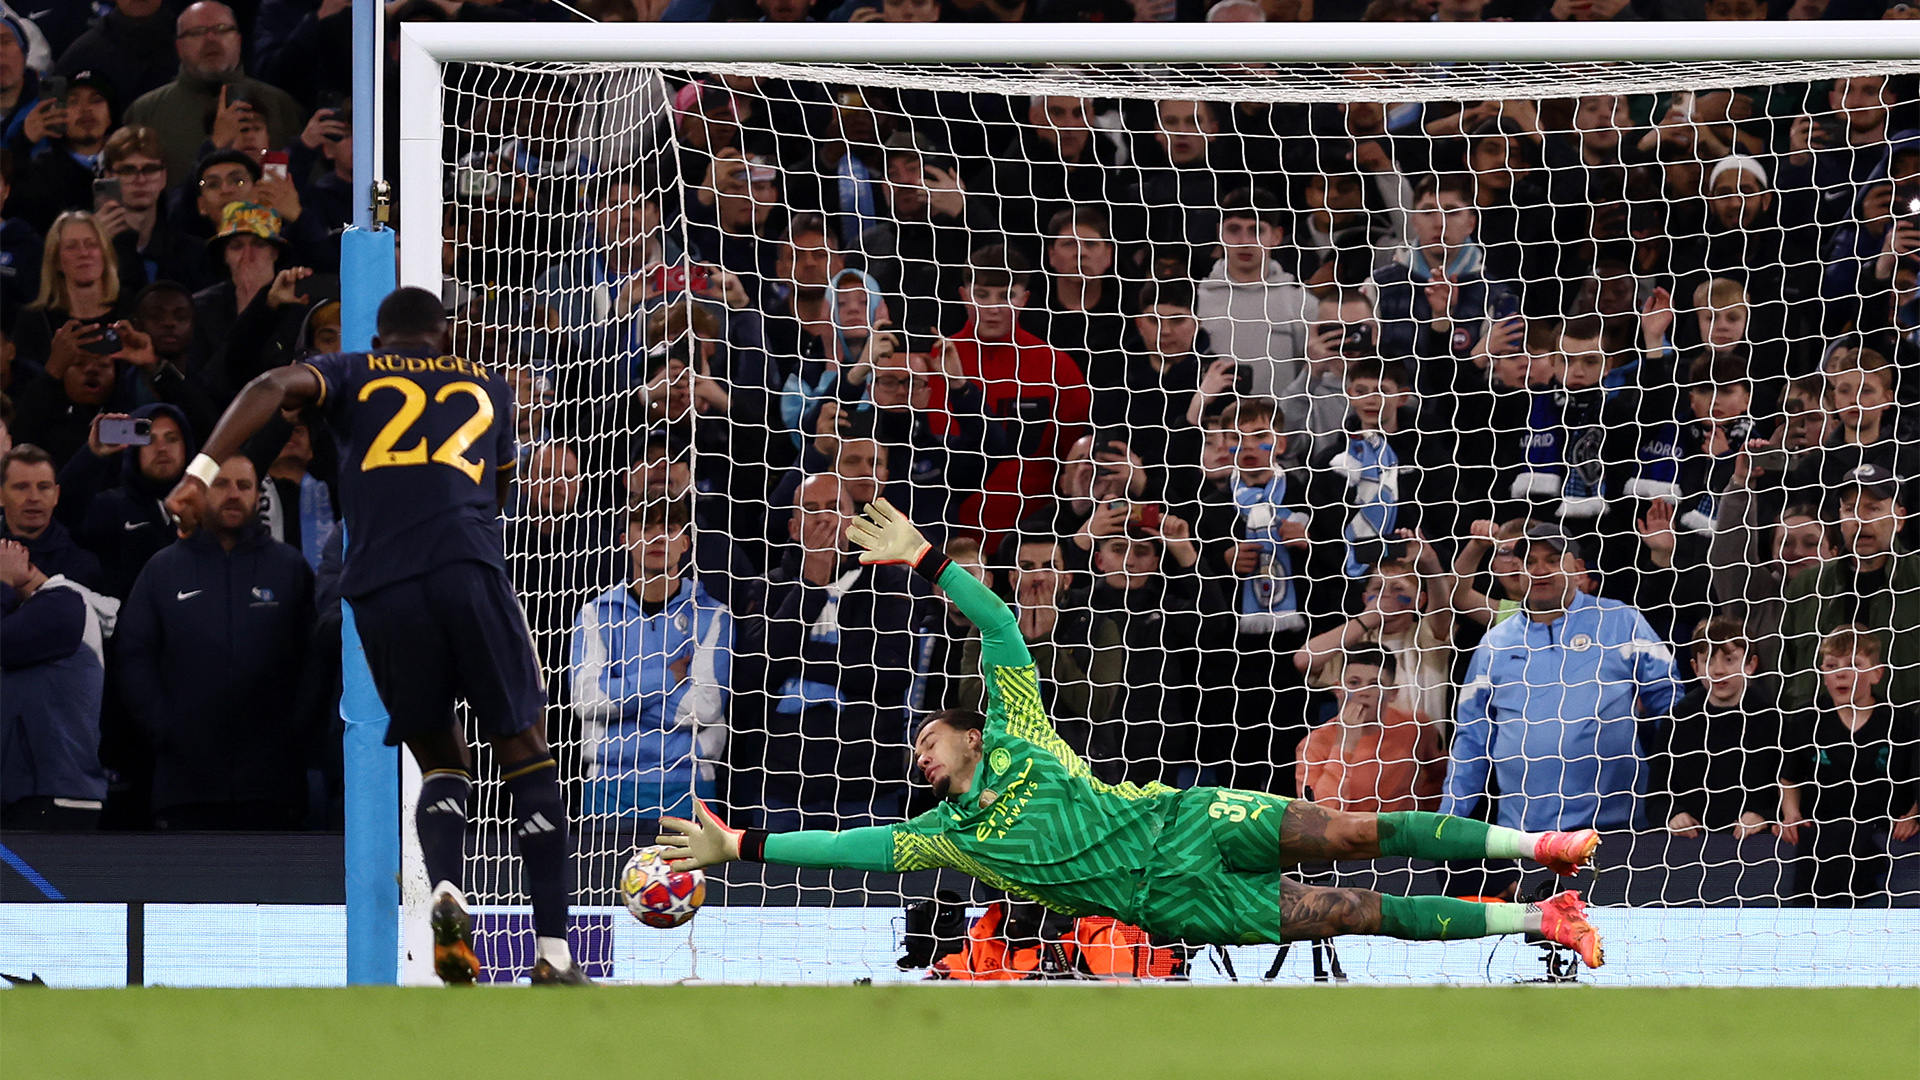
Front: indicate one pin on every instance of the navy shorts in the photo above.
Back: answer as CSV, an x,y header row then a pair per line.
x,y
454,632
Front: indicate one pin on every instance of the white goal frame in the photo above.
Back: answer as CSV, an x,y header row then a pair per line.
x,y
426,47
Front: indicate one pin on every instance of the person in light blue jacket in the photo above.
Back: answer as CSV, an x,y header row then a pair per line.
x,y
652,657
1554,699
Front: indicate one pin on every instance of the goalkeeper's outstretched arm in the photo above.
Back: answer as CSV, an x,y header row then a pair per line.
x,y
888,536
708,841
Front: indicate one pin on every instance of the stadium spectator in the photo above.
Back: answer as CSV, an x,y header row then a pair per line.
x,y
650,671
662,471
1869,426
1373,756
1832,154
211,83
145,239
1752,564
79,294
61,161
1508,587
1271,602
1080,314
1362,491
921,233
1253,310
1850,768
1058,161
131,47
1100,482
113,492
1177,185
304,47
1145,583
1399,616
1078,651
1553,700
734,218
1036,391
1167,382
944,632
1434,297
208,652
1864,585
52,651
20,248
29,501
297,495
834,652
249,246
182,371
1510,195
1715,764
934,457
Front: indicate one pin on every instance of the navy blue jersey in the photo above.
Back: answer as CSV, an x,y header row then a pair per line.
x,y
422,439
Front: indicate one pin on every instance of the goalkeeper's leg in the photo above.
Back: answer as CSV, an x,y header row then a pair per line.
x,y
1308,912
1310,832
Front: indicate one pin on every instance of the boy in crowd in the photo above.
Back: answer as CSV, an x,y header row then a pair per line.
x,y
1712,766
1371,757
1036,391
1849,766
1254,311
1366,486
1270,696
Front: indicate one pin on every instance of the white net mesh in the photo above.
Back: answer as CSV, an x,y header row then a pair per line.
x,y
1244,384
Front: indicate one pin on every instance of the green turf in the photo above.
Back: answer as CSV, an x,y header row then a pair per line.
x,y
940,1032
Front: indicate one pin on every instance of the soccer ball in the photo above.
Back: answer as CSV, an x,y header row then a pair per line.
x,y
659,896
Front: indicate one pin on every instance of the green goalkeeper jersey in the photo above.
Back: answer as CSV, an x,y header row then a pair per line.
x,y
1035,823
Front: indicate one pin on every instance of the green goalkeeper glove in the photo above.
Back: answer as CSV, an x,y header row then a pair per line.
x,y
888,535
693,845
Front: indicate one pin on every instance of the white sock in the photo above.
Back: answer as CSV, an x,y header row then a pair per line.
x,y
448,888
1505,843
554,951
1513,918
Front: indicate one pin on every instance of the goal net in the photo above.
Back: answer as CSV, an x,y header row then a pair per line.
x,y
1289,404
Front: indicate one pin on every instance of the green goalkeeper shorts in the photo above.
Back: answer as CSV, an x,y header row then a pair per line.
x,y
1215,878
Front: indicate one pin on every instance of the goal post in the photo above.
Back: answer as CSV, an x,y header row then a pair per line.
x,y
1307,63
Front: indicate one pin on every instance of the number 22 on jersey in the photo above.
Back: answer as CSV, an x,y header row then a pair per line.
x,y
381,453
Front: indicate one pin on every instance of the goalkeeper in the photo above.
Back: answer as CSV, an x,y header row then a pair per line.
x,y
1020,811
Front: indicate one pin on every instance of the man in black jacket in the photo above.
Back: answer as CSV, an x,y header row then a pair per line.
x,y
29,495
834,648
132,46
209,649
114,493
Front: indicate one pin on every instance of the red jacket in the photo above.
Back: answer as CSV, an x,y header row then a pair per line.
x,y
1042,397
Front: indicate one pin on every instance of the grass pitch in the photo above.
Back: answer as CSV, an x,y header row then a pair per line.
x,y
960,1032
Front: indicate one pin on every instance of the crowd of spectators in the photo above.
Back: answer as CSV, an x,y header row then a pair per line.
x,y
1541,460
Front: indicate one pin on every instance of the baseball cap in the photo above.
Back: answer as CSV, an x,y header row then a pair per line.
x,y
93,80
1873,478
1553,537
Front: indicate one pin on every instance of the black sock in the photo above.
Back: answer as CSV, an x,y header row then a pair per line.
x,y
540,824
440,817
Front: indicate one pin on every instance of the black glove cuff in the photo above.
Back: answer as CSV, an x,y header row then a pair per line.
x,y
931,564
753,845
